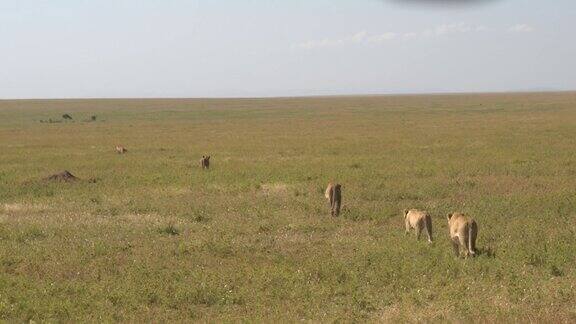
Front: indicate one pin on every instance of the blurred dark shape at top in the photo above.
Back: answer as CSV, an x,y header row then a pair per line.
x,y
442,3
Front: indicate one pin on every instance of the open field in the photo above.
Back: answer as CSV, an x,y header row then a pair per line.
x,y
153,237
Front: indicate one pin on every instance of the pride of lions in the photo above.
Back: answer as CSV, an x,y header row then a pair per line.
x,y
463,230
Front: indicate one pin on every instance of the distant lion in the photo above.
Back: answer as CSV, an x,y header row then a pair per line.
x,y
418,220
121,149
205,162
334,195
463,232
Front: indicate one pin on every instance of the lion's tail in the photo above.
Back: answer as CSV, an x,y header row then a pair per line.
x,y
429,227
472,232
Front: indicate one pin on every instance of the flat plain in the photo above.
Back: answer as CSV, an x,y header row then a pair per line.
x,y
149,236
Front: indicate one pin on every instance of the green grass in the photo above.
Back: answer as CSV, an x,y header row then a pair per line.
x,y
149,236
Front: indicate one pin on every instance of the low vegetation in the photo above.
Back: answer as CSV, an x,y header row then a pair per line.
x,y
156,238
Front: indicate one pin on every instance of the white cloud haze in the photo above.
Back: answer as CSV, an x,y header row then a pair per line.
x,y
363,37
521,28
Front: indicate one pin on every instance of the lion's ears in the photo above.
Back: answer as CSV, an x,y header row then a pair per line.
x,y
449,216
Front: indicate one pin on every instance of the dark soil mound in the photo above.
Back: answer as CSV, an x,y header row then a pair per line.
x,y
64,176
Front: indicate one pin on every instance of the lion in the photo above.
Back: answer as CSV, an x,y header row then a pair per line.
x,y
334,195
205,162
121,149
463,233
418,220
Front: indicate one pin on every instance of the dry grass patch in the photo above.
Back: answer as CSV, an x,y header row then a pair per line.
x,y
24,208
274,189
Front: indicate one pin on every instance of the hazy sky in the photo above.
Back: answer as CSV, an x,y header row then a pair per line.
x,y
215,48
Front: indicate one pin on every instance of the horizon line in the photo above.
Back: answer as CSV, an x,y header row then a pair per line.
x,y
398,94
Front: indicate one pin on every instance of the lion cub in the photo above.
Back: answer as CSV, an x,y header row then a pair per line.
x,y
334,195
121,149
418,220
463,232
205,162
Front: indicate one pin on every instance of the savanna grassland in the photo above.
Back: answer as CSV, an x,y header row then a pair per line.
x,y
149,236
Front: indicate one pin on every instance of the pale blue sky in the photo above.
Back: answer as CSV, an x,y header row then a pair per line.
x,y
218,48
